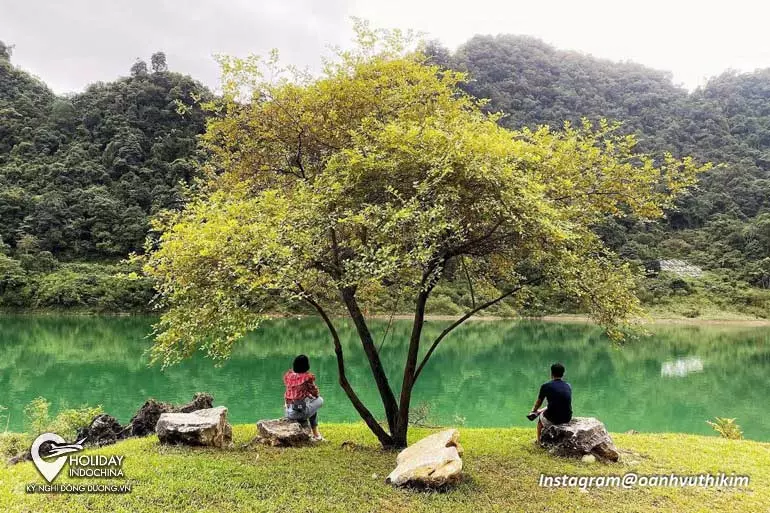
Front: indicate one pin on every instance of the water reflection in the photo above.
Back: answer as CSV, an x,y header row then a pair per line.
x,y
486,372
681,367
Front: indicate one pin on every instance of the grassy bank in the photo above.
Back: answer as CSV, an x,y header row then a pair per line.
x,y
502,468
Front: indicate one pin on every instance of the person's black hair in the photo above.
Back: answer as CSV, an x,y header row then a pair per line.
x,y
301,364
557,370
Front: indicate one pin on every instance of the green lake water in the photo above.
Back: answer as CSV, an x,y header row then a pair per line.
x,y
484,374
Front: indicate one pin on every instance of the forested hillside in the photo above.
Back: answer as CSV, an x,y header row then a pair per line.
x,y
81,175
723,225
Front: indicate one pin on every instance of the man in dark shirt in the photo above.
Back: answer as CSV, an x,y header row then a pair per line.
x,y
559,396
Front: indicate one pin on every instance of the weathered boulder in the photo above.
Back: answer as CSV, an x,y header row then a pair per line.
x,y
283,433
433,462
578,437
201,427
200,401
144,421
103,430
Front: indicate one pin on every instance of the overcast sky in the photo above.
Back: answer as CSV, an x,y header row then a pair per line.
x,y
75,42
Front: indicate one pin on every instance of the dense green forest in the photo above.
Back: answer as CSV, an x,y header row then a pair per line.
x,y
81,175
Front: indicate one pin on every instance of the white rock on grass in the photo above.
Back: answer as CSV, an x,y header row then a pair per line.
x,y
206,427
432,462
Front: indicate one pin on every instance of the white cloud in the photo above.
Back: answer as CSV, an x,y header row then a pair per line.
x,y
71,44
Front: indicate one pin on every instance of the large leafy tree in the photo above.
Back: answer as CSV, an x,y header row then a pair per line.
x,y
382,177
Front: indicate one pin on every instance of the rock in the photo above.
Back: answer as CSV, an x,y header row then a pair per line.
x,y
25,456
580,436
103,430
201,427
145,419
200,401
589,458
433,462
446,438
632,432
44,451
283,433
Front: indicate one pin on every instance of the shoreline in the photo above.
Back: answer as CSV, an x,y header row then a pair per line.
x,y
584,319
651,319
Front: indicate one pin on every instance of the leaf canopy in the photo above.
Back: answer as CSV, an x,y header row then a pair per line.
x,y
377,178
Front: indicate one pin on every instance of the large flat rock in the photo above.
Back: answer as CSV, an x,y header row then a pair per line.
x,y
578,437
206,427
446,438
433,462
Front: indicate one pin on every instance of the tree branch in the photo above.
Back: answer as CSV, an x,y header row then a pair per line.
x,y
362,410
467,316
299,157
462,247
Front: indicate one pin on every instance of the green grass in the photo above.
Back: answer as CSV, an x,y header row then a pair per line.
x,y
502,469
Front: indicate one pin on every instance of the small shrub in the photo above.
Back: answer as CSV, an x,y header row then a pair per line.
x,y
65,424
36,415
12,444
420,415
727,428
442,305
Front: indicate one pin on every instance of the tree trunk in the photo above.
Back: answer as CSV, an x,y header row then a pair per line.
x,y
405,401
378,371
385,439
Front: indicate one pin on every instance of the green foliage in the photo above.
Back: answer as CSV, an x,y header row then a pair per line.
x,y
721,224
80,175
36,415
712,295
40,282
12,444
727,428
13,277
378,179
382,178
38,420
65,424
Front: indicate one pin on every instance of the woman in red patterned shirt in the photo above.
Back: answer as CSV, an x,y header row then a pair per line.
x,y
302,400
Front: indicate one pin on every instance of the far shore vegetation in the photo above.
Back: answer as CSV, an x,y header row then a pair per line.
x,y
111,288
